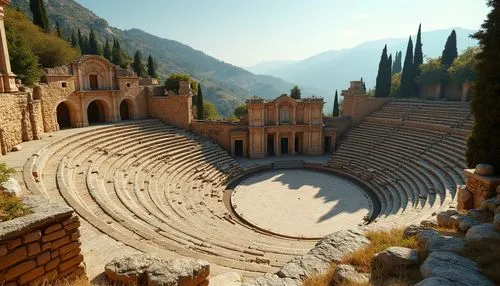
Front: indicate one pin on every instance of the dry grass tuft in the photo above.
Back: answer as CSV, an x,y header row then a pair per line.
x,y
321,279
379,240
12,207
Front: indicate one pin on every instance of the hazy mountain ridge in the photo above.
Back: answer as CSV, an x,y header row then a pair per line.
x,y
334,69
224,84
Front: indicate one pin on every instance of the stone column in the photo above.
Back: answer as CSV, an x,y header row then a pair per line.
x,y
293,143
8,79
277,147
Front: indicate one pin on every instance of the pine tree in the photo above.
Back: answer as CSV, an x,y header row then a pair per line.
x,y
398,64
58,30
336,105
200,114
418,59
450,52
107,51
295,92
408,75
381,86
152,67
138,66
40,17
483,145
93,45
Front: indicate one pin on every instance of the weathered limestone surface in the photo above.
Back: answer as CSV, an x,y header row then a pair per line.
x,y
482,231
11,187
225,279
435,281
40,246
393,258
142,269
450,266
348,274
329,249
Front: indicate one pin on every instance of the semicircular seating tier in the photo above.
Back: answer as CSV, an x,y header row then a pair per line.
x,y
411,153
158,189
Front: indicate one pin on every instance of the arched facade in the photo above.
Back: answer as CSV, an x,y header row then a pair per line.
x,y
95,83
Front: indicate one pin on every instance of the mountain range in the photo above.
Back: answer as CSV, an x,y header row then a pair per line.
x,y
332,70
226,85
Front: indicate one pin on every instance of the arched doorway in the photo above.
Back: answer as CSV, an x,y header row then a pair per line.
x,y
63,116
125,111
96,112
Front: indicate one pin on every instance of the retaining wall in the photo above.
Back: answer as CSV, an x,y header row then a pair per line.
x,y
40,247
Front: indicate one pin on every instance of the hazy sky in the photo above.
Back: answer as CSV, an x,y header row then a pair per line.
x,y
245,32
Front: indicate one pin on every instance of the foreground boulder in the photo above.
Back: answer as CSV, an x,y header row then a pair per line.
x,y
142,269
431,240
452,267
11,188
481,232
347,274
395,258
435,281
329,249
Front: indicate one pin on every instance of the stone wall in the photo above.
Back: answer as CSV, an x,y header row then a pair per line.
x,y
217,131
481,188
359,106
173,109
19,120
42,246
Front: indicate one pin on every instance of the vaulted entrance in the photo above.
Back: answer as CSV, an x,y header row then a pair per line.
x,y
284,145
270,145
125,110
63,116
96,112
238,148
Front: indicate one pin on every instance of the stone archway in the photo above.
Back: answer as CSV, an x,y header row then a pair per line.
x,y
96,112
63,115
126,110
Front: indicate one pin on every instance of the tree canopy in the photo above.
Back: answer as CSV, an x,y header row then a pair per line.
x,y
483,145
463,68
200,108
137,65
241,111
383,85
418,58
209,111
398,65
40,17
172,82
432,72
50,50
295,92
336,111
152,67
408,76
450,52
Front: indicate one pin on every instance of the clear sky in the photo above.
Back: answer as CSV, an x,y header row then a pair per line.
x,y
246,32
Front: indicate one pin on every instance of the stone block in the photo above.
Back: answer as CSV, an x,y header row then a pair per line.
x,y
69,247
14,243
484,170
70,254
43,258
69,263
54,235
3,250
33,248
52,264
71,220
60,242
14,257
465,199
72,226
19,269
33,236
31,275
52,228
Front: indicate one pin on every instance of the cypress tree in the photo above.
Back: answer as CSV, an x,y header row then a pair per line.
x,y
93,46
336,105
419,55
74,41
138,66
82,42
199,104
408,75
483,145
117,55
152,67
58,30
107,51
397,66
450,52
388,76
40,17
380,87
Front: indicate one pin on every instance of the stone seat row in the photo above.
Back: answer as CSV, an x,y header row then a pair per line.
x,y
161,189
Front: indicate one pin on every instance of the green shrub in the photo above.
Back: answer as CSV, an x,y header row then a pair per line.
x,y
5,172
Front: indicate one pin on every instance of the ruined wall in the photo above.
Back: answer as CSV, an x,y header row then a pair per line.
x,y
40,246
359,106
481,187
217,131
173,109
18,120
55,90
